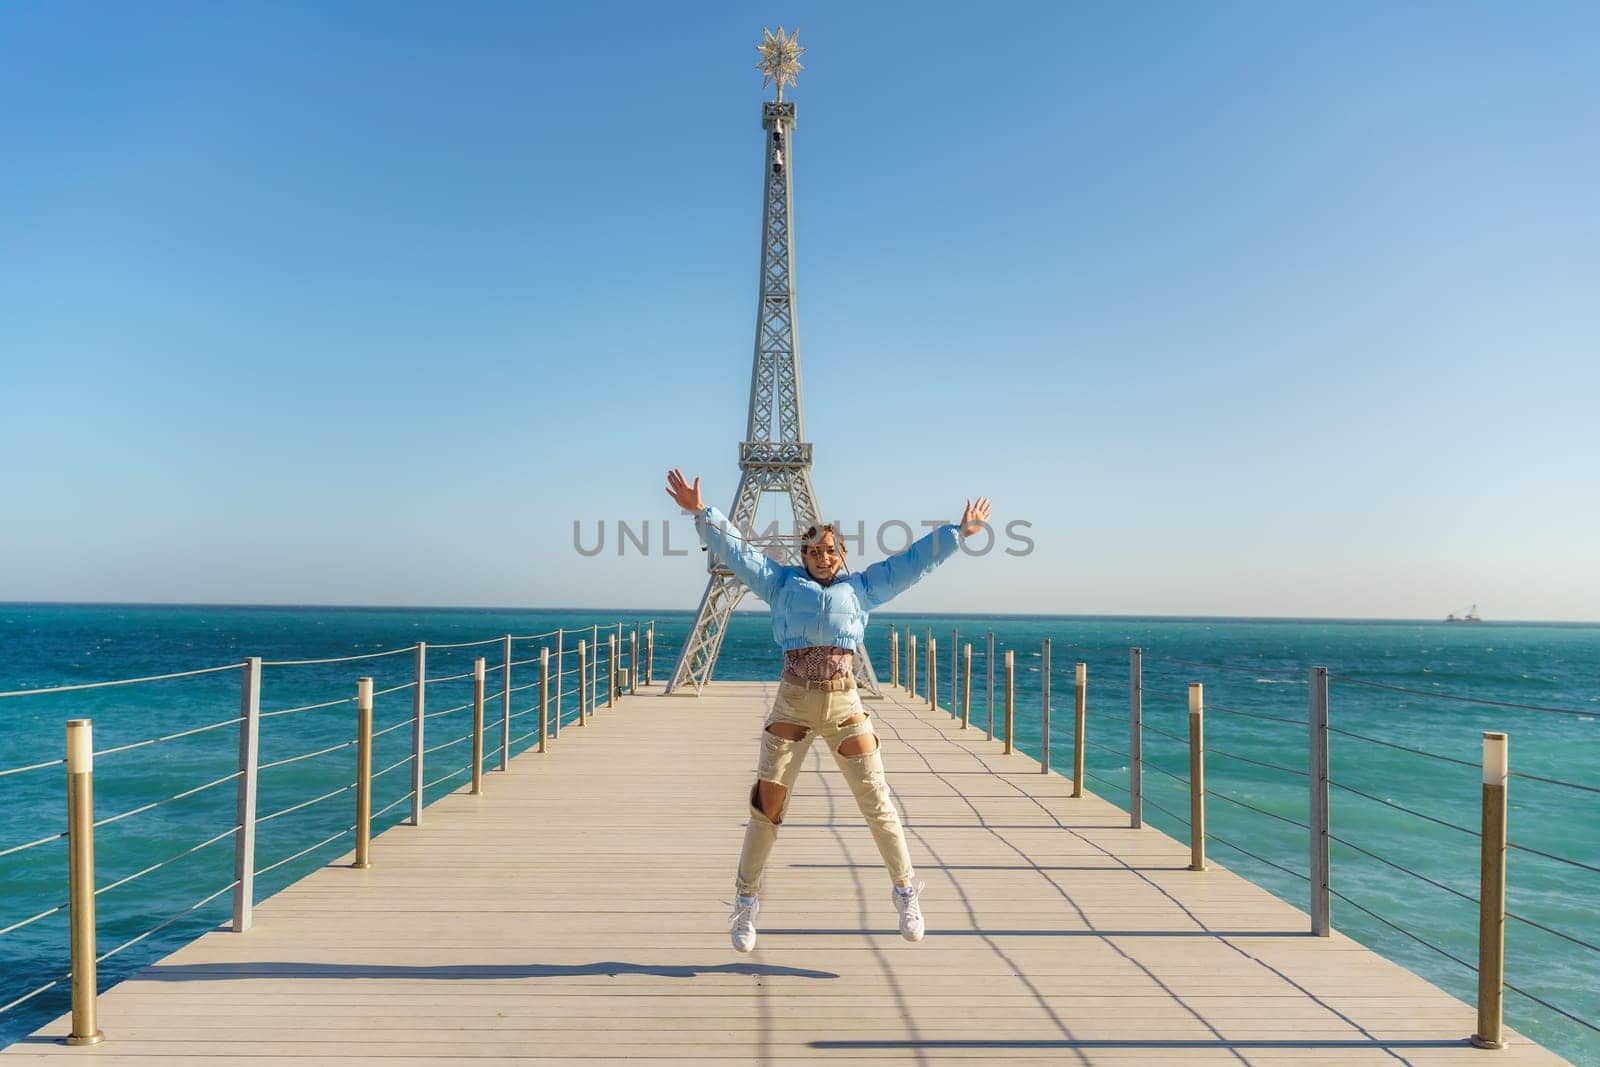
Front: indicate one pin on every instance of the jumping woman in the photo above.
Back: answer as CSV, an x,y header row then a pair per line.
x,y
819,616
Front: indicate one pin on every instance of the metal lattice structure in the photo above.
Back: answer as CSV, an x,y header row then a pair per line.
x,y
774,457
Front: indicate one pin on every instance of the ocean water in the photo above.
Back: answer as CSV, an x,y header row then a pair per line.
x,y
1255,677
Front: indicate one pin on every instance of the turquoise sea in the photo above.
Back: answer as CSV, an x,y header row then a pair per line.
x,y
1405,878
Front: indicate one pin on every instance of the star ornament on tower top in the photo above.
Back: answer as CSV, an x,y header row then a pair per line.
x,y
780,58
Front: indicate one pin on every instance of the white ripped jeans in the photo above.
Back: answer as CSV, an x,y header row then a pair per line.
x,y
820,712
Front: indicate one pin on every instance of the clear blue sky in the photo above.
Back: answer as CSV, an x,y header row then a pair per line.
x,y
1254,308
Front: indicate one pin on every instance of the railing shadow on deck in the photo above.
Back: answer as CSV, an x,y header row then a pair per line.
x,y
986,932
199,972
1068,1043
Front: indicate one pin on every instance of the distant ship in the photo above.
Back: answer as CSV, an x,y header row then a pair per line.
x,y
1470,616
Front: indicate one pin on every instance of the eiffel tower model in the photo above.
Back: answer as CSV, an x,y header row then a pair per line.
x,y
774,457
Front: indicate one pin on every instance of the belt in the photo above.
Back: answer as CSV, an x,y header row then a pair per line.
x,y
828,684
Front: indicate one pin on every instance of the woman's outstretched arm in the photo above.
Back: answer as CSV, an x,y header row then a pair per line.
x,y
754,567
887,579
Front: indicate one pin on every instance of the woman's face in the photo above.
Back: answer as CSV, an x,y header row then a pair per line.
x,y
823,560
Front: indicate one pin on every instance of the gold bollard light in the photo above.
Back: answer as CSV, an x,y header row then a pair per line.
x,y
363,774
80,881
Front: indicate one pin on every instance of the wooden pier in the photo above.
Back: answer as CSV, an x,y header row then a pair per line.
x,y
577,910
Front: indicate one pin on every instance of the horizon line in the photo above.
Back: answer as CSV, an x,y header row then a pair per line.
x,y
691,611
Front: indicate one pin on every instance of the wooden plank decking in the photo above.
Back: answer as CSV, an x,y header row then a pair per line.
x,y
577,911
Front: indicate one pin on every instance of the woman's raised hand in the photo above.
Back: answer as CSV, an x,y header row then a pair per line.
x,y
974,515
687,496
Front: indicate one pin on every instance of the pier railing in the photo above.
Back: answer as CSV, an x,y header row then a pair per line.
x,y
1153,729
1164,738
593,664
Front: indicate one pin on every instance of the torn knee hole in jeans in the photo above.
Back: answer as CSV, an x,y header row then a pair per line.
x,y
785,731
859,745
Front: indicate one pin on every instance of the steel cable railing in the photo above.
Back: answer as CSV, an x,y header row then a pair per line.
x,y
30,920
1293,672
32,844
1401,807
306,755
304,804
163,925
1114,785
1220,795
467,644
1224,709
1402,748
1459,698
1551,856
304,852
1402,930
1275,773
120,681
407,795
401,725
1551,930
448,711
229,832
306,707
447,777
1554,781
536,637
29,996
613,656
1212,835
1404,869
1213,750
109,819
336,659
33,767
447,744
168,737
401,762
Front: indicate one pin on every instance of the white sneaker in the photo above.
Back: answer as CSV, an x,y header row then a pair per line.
x,y
744,922
910,909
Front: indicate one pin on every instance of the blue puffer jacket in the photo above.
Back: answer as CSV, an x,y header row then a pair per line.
x,y
804,611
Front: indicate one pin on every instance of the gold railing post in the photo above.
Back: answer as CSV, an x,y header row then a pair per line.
x,y
611,669
363,773
966,685
1080,708
650,655
1011,708
933,673
1492,895
544,697
583,682
477,725
80,881
894,657
633,661
1197,778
